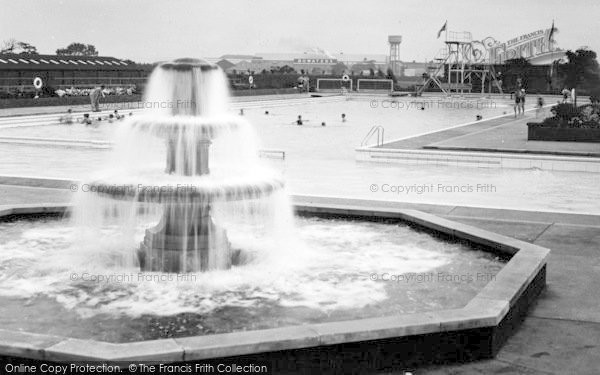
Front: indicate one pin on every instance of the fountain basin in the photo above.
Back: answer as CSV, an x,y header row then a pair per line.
x,y
475,331
188,63
195,127
198,190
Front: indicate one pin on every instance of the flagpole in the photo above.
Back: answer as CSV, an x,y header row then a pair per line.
x,y
446,30
447,46
552,52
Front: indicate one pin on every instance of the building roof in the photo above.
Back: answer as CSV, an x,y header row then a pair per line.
x,y
239,57
224,64
290,56
363,66
416,65
343,57
55,62
358,57
257,65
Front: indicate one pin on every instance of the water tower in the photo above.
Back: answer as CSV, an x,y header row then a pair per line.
x,y
395,64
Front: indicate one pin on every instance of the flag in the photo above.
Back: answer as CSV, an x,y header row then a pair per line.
x,y
442,29
552,30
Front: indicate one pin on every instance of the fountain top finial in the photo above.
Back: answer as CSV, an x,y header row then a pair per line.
x,y
188,63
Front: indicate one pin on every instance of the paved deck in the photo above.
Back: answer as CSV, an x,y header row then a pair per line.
x,y
503,134
512,137
416,143
561,334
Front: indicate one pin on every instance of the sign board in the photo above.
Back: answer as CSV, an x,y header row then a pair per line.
x,y
315,61
527,46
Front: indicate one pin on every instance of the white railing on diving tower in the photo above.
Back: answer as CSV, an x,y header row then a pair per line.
x,y
459,37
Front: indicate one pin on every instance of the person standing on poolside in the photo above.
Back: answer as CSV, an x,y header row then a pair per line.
x,y
517,105
523,102
519,102
565,93
95,98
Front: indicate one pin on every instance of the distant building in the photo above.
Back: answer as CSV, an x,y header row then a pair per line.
x,y
17,72
256,66
415,69
315,61
235,59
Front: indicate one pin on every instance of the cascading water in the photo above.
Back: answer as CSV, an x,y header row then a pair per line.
x,y
195,168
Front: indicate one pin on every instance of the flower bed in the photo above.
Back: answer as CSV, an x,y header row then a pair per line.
x,y
568,123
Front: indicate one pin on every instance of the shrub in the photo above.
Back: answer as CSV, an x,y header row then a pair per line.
x,y
595,96
550,122
565,111
569,116
48,91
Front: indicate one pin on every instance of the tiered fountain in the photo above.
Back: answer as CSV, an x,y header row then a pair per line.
x,y
189,118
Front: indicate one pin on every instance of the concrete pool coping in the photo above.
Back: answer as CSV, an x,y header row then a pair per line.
x,y
420,149
475,331
479,159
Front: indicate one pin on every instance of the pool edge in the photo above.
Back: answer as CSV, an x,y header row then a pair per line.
x,y
488,319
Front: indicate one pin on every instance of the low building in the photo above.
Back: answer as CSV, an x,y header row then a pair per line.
x,y
315,61
18,72
416,69
256,66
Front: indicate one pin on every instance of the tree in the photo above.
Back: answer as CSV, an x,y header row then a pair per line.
x,y
8,45
338,69
582,70
27,49
77,49
518,62
19,48
390,75
286,69
518,69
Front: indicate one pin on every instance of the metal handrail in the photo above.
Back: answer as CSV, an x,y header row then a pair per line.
x,y
459,37
277,154
377,129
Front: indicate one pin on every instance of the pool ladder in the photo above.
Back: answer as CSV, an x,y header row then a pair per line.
x,y
375,130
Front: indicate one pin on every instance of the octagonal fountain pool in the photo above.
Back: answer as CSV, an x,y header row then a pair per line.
x,y
331,270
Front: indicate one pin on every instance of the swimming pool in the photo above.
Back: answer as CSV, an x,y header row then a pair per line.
x,y
319,160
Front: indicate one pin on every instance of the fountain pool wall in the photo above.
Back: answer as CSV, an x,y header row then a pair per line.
x,y
475,331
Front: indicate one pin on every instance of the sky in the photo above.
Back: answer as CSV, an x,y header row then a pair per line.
x,y
151,30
